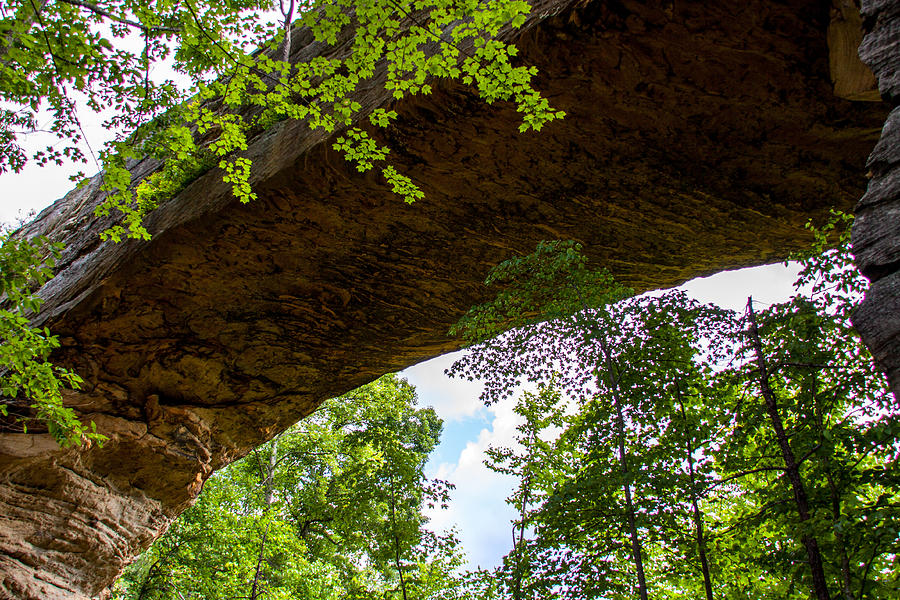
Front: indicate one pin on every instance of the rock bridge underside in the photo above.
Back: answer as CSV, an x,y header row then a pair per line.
x,y
700,136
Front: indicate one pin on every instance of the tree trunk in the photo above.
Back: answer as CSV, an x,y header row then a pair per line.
x,y
517,543
613,384
269,500
844,582
612,381
699,535
397,563
792,468
287,11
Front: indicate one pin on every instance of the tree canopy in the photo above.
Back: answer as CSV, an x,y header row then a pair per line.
x,y
676,450
665,449
669,449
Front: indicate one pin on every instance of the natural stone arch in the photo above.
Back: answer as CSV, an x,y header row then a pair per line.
x,y
701,136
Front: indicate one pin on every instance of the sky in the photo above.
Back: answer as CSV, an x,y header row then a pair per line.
x,y
477,510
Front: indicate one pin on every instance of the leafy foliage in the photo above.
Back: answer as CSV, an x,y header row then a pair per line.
x,y
523,334
657,455
244,78
840,423
30,384
103,55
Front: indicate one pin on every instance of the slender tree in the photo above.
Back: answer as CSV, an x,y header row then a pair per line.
x,y
814,430
268,482
791,464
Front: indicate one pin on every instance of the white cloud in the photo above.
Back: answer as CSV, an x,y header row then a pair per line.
x,y
729,289
478,508
453,399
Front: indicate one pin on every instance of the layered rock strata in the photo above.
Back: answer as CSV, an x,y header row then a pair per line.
x,y
876,231
700,136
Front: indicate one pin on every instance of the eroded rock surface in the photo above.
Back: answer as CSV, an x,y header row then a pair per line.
x,y
700,136
876,231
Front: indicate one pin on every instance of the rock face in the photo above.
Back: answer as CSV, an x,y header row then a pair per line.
x,y
876,231
700,136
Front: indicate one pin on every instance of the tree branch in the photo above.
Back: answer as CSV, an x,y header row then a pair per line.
x,y
105,13
719,482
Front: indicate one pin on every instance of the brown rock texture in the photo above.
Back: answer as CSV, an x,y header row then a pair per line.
x,y
876,231
852,79
700,136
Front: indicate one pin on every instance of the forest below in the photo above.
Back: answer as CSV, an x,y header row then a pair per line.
x,y
666,449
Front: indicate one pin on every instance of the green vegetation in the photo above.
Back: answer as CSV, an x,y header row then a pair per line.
x,y
667,449
30,385
243,78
